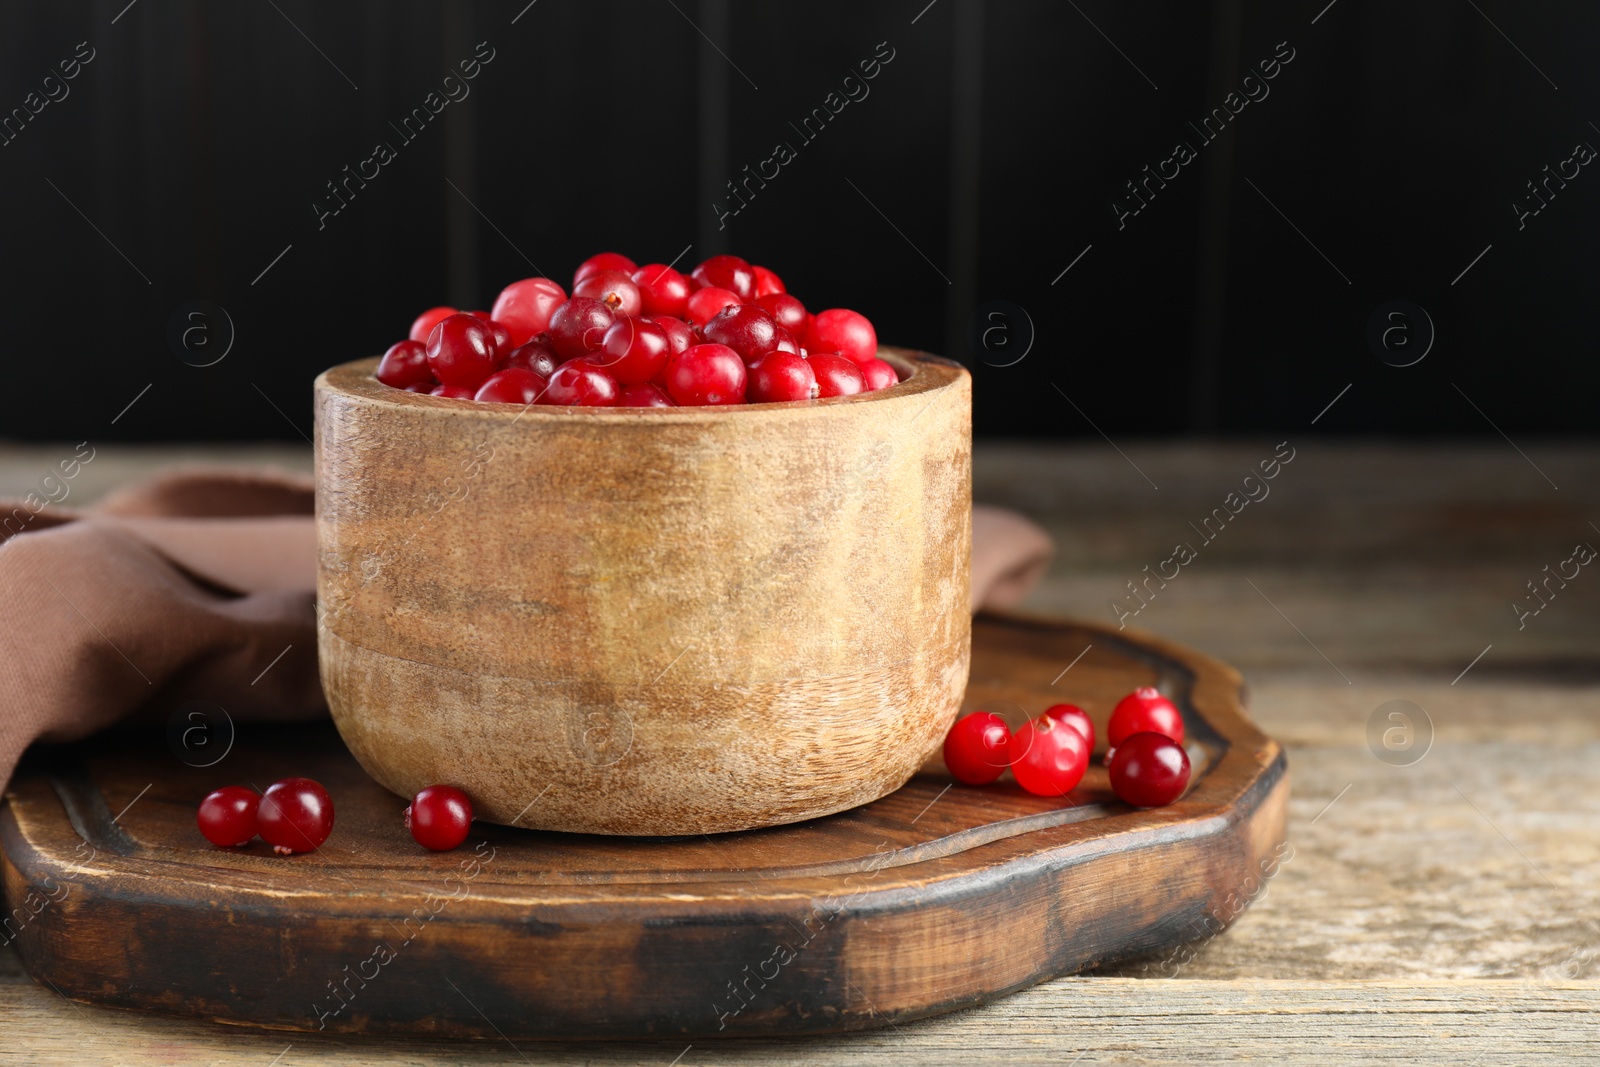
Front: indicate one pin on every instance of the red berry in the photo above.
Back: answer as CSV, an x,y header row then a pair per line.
x,y
481,316
423,387
977,748
634,351
726,272
613,288
1048,757
296,815
425,322
767,283
780,376
1144,710
461,351
786,311
680,335
453,392
513,385
603,261
579,383
663,290
439,817
783,341
647,395
1149,770
706,374
538,355
836,376
744,328
579,327
227,817
502,339
844,331
704,304
404,365
1075,717
526,306
878,374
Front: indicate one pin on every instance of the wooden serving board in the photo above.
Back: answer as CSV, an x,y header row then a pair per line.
x,y
936,897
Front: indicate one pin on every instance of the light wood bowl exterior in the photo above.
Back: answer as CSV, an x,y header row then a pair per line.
x,y
655,622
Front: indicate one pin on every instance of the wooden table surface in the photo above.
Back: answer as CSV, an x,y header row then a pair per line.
x,y
1440,909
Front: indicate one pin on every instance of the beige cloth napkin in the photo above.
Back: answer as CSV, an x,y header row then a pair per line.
x,y
199,585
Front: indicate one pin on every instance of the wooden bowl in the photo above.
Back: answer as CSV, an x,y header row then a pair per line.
x,y
659,621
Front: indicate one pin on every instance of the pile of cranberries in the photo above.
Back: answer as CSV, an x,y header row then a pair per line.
x,y
1049,755
644,337
296,815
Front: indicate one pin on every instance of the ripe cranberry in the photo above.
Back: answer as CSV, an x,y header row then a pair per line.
x,y
613,288
744,328
453,392
679,334
767,283
1048,757
783,341
1075,717
526,306
786,311
780,376
425,322
1149,770
704,304
1144,710
726,272
977,748
295,815
603,261
511,386
227,817
502,340
439,817
579,383
405,364
579,327
878,374
423,387
634,351
836,376
844,331
461,351
663,290
648,395
538,355
706,374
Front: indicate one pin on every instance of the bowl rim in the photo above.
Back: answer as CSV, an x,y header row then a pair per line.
x,y
924,373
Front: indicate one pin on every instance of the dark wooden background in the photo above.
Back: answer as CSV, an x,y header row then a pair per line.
x,y
978,167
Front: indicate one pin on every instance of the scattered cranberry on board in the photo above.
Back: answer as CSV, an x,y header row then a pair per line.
x,y
977,748
295,815
1048,756
1149,770
1142,710
439,817
227,817
615,320
1075,717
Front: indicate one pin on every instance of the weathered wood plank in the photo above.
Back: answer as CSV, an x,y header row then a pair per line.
x,y
1071,1020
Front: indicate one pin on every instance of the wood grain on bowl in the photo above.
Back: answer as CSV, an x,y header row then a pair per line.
x,y
661,621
